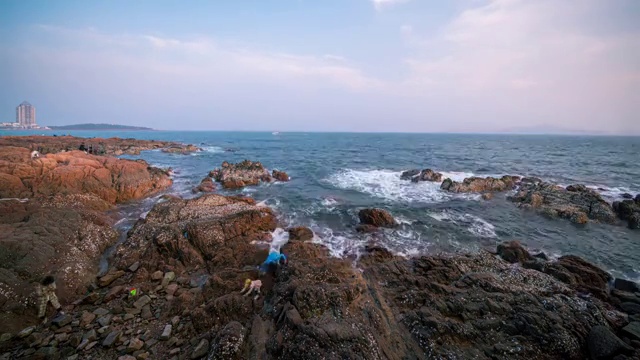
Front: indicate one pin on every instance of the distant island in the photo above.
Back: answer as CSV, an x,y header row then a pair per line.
x,y
98,127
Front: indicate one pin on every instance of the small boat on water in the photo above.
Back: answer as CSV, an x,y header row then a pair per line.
x,y
275,133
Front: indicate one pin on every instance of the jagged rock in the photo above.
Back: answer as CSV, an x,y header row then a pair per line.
x,y
100,312
166,333
171,289
233,176
113,293
630,308
142,301
626,285
134,345
134,267
603,344
513,252
200,350
111,338
427,175
110,277
300,233
477,184
578,205
87,318
377,217
206,186
26,332
632,330
280,175
228,342
409,174
105,320
62,320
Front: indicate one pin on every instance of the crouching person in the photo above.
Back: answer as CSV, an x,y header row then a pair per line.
x,y
46,292
251,287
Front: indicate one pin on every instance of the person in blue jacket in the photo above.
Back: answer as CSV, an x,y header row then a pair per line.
x,y
270,265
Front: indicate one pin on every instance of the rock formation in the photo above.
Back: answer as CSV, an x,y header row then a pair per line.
x,y
477,184
99,146
245,173
377,218
424,175
629,210
576,203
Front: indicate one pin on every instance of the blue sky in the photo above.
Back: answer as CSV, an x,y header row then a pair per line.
x,y
330,65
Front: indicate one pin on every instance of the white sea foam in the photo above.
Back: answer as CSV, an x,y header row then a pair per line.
x,y
280,237
387,185
457,175
475,225
613,193
213,149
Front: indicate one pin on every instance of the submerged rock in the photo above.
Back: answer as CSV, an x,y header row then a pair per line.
x,y
576,203
477,184
377,218
280,175
628,210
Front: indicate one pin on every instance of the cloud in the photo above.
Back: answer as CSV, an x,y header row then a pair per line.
x,y
380,5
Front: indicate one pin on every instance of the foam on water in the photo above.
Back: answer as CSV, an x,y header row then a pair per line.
x,y
280,238
613,193
475,225
386,184
213,149
457,175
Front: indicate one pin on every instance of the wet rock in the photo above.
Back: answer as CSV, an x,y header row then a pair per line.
x,y
487,196
513,252
228,342
206,186
578,205
477,184
409,174
201,349
603,344
627,196
632,330
5,337
630,308
366,228
580,275
166,332
377,217
300,233
628,210
180,149
233,176
626,285
280,175
427,175
634,221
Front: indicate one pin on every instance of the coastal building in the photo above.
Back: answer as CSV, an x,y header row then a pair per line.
x,y
26,115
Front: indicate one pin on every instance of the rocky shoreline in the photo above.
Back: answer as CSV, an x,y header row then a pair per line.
x,y
188,259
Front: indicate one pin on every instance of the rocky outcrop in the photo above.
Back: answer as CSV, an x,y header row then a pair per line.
x,y
280,175
245,173
424,175
206,186
113,180
629,211
576,203
377,218
300,233
181,149
98,146
477,184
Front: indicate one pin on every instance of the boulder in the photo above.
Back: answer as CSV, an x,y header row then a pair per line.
x,y
366,228
427,175
377,217
228,342
280,175
487,196
603,344
626,285
480,185
632,330
300,233
233,176
206,186
513,252
409,174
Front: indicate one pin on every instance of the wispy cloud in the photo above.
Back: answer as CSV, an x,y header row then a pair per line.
x,y
380,5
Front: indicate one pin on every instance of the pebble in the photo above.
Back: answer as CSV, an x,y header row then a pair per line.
x,y
90,346
157,275
126,357
142,301
134,267
82,344
105,320
149,343
100,311
111,338
200,350
135,344
175,320
166,333
168,277
86,318
90,335
174,351
171,289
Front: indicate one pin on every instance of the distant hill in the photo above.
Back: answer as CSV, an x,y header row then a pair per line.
x,y
98,127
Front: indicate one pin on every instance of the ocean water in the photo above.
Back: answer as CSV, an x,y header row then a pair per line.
x,y
334,175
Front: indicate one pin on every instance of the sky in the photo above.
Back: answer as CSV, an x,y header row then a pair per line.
x,y
326,65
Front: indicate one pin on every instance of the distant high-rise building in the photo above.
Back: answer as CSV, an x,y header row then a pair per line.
x,y
26,115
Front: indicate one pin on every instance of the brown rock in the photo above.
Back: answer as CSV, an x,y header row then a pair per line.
x,y
280,175
206,186
300,233
477,184
427,175
377,217
245,173
110,277
487,196
87,318
113,293
513,252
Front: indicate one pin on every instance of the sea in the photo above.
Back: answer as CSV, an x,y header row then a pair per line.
x,y
334,175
